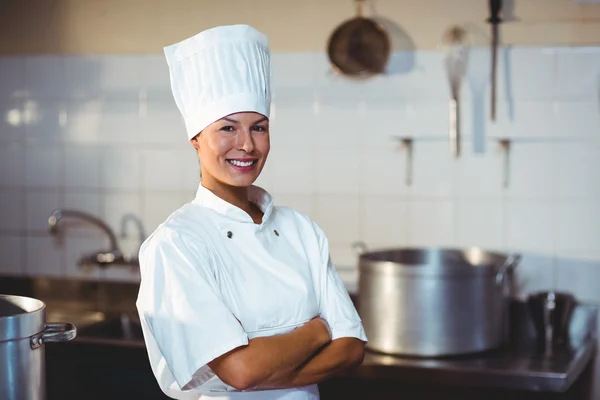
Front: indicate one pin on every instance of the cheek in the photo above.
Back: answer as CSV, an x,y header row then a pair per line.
x,y
218,146
264,145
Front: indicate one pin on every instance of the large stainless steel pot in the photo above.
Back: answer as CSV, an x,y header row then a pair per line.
x,y
434,302
23,333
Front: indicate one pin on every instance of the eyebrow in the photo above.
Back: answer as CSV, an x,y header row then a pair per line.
x,y
233,121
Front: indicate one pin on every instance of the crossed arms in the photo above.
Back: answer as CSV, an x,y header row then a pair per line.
x,y
302,357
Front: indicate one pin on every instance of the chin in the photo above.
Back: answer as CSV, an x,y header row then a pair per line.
x,y
241,181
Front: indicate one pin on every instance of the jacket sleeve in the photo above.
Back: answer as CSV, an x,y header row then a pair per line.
x,y
185,323
336,306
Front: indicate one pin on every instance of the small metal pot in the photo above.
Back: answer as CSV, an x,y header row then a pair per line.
x,y
434,302
23,333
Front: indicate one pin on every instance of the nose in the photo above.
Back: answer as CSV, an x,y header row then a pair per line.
x,y
245,141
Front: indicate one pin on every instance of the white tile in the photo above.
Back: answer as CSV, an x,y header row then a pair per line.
x,y
45,76
82,166
119,76
44,121
294,126
382,124
432,169
118,205
523,119
535,272
427,119
479,174
76,248
87,202
340,93
338,171
577,119
578,225
84,76
480,223
165,169
526,73
154,77
530,225
12,209
12,248
343,257
162,123
12,165
579,276
385,221
44,257
431,223
578,73
384,170
292,69
119,122
39,207
158,206
120,168
531,170
190,170
577,166
339,217
292,172
44,167
12,78
84,119
266,178
339,129
11,120
427,80
300,202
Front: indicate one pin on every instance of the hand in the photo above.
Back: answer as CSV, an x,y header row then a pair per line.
x,y
322,329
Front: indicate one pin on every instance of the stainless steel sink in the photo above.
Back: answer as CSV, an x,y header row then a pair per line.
x,y
121,330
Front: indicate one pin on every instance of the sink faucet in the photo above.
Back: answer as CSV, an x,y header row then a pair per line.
x,y
101,258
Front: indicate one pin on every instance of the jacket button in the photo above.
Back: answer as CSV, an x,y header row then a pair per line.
x,y
276,233
229,234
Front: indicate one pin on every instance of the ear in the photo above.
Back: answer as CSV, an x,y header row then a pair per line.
x,y
194,142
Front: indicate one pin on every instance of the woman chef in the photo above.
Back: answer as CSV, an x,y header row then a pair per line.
x,y
238,298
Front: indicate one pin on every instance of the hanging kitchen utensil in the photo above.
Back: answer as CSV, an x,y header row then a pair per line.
x,y
494,19
457,52
359,47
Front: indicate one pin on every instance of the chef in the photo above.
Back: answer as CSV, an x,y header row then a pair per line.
x,y
238,297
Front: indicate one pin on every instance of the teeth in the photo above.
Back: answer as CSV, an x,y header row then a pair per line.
x,y
241,163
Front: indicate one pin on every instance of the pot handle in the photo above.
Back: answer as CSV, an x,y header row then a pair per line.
x,y
54,332
359,247
511,263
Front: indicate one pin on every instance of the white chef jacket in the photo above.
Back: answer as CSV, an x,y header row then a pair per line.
x,y
211,279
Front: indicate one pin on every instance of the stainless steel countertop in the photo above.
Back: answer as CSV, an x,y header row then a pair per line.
x,y
85,303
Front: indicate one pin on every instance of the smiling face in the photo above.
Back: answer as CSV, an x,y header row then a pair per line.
x,y
233,150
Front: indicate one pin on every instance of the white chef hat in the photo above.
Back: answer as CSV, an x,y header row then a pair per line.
x,y
218,72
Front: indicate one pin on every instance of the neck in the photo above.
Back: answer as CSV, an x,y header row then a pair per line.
x,y
237,196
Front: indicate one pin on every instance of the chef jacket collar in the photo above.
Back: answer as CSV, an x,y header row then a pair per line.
x,y
256,195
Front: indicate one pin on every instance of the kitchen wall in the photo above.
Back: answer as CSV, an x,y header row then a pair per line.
x,y
88,122
102,134
143,26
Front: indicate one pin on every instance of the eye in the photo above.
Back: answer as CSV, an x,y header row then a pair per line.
x,y
259,128
227,128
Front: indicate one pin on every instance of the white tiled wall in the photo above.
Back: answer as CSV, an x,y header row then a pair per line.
x,y
103,134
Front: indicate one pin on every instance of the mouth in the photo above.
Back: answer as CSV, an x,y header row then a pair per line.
x,y
246,164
